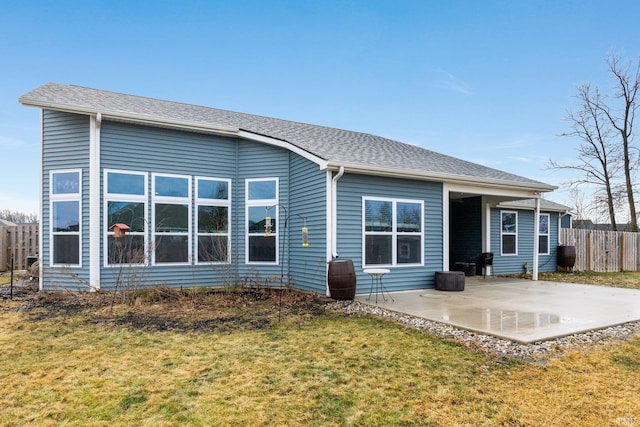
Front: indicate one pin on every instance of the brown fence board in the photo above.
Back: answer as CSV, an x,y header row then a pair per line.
x,y
605,251
18,241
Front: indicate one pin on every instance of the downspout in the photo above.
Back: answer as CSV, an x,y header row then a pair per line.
x,y
334,212
536,238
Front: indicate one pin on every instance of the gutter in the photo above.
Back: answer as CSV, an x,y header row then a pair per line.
x,y
187,125
133,118
449,177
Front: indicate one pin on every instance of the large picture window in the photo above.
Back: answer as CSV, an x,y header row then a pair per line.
x,y
262,207
392,232
171,219
212,219
66,213
126,203
543,236
509,232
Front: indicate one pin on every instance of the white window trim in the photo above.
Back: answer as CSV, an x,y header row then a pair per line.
x,y
266,203
548,234
502,233
394,233
212,202
116,197
67,197
176,201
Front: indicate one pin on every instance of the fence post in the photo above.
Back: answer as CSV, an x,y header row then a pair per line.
x,y
623,251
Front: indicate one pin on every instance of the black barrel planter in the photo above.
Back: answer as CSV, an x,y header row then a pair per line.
x,y
342,279
566,256
449,281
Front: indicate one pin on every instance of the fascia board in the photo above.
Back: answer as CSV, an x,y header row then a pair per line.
x,y
529,208
283,144
133,118
176,124
443,177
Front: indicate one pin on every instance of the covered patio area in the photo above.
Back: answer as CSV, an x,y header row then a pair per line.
x,y
519,310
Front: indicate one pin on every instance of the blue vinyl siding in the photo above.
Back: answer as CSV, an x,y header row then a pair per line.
x,y
147,149
512,264
257,160
308,267
351,189
65,145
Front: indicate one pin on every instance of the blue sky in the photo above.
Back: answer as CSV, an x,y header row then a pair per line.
x,y
485,81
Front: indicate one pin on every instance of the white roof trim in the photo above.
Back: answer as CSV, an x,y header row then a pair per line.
x,y
523,207
178,124
134,118
443,177
283,144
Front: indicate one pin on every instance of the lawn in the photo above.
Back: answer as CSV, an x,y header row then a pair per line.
x,y
626,279
249,357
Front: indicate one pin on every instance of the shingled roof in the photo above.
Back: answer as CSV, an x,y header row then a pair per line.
x,y
336,147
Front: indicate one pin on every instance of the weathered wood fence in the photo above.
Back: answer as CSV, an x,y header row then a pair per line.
x,y
18,241
603,250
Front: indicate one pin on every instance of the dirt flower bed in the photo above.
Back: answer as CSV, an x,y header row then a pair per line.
x,y
164,308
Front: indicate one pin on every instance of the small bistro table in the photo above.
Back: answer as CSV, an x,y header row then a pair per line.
x,y
376,282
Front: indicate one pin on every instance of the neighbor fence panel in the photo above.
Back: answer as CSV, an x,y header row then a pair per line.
x,y
18,242
603,250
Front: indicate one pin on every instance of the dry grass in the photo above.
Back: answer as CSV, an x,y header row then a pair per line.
x,y
72,362
627,279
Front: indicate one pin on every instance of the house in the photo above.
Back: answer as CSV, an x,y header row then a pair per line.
x,y
213,196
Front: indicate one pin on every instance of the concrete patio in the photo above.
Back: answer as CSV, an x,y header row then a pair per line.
x,y
518,310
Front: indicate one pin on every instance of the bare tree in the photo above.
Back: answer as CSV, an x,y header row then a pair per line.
x,y
18,217
621,118
607,155
599,158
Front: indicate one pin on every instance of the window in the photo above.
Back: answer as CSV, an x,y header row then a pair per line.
x,y
393,234
212,220
509,232
171,219
262,206
126,203
543,236
65,212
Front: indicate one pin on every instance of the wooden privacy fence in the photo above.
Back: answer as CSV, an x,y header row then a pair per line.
x,y
18,241
603,250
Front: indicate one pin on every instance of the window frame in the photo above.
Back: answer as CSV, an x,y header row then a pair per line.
x,y
394,233
547,234
503,233
212,203
64,197
120,197
171,200
266,203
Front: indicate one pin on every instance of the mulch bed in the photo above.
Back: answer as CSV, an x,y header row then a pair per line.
x,y
160,309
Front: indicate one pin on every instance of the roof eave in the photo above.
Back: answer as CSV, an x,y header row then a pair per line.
x,y
132,118
441,177
148,120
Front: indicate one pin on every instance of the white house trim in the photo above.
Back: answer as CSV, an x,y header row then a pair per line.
x,y
445,227
41,207
479,185
283,144
94,202
536,238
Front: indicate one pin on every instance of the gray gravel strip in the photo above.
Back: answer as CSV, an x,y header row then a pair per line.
x,y
534,352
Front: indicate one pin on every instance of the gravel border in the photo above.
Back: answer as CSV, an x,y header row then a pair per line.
x,y
538,351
